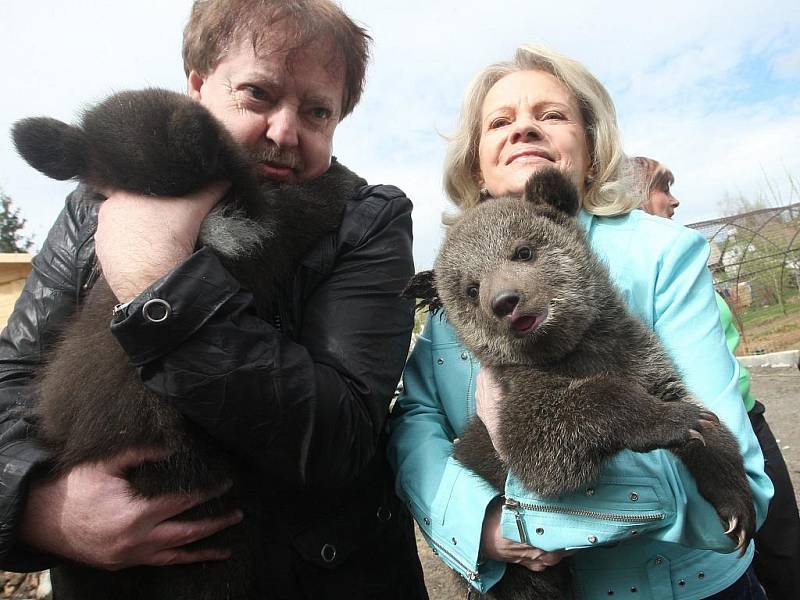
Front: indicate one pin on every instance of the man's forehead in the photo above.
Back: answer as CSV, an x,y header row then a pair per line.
x,y
277,58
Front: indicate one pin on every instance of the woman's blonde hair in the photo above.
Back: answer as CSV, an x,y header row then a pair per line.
x,y
606,183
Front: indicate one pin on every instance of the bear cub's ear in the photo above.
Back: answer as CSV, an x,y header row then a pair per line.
x,y
56,149
552,188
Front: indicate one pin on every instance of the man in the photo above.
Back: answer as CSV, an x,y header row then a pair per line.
x,y
302,399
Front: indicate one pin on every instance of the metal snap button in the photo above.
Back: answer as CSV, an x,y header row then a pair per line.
x,y
464,356
701,575
440,361
592,539
634,496
634,590
455,541
682,582
427,521
384,514
156,310
539,531
590,491
659,560
328,553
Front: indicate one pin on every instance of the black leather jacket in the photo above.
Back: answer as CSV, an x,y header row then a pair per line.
x,y
304,400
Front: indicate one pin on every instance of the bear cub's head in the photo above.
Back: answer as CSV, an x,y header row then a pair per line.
x,y
516,276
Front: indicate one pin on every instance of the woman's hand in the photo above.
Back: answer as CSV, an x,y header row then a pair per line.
x,y
90,515
487,402
495,547
142,238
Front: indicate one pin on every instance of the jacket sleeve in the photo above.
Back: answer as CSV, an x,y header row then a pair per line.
x,y
447,500
48,298
305,411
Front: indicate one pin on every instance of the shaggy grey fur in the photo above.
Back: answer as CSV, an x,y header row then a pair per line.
x,y
581,378
92,403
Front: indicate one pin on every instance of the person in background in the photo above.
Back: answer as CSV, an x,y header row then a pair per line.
x,y
777,558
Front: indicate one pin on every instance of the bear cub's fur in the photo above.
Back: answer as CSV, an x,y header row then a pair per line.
x,y
92,404
580,377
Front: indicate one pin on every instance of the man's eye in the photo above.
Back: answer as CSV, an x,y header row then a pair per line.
x,y
256,92
322,113
473,291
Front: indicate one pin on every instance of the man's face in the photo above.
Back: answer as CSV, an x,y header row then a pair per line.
x,y
284,117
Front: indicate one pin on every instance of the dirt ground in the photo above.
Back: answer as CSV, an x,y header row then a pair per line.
x,y
777,388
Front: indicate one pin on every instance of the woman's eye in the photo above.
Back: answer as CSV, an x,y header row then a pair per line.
x,y
552,115
500,122
523,253
473,291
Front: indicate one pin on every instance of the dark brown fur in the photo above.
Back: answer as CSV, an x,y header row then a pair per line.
x,y
92,404
590,381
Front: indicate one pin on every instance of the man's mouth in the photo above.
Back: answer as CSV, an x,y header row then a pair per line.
x,y
278,171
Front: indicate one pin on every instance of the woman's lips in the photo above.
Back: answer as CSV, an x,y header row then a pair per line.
x,y
529,156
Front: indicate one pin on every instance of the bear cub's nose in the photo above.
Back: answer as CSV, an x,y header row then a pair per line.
x,y
504,303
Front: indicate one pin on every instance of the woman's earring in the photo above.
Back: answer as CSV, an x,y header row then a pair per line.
x,y
484,194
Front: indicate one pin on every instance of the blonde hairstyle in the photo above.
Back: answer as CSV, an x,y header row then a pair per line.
x,y
216,26
648,174
606,184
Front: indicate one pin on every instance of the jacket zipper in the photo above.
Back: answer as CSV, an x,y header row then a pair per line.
x,y
515,506
471,575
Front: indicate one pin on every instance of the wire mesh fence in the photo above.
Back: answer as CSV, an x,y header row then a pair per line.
x,y
755,262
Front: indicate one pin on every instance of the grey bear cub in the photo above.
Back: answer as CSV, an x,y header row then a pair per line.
x,y
580,377
91,402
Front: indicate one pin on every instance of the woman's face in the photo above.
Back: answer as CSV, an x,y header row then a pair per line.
x,y
530,121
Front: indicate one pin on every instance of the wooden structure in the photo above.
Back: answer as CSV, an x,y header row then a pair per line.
x,y
14,269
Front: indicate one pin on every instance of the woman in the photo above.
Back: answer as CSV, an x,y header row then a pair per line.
x,y
544,110
777,560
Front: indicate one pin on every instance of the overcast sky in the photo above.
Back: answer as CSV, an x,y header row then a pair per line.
x,y
710,88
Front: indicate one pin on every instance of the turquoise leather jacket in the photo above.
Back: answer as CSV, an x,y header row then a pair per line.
x,y
643,529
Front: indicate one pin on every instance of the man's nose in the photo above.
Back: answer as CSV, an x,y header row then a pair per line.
x,y
525,129
282,127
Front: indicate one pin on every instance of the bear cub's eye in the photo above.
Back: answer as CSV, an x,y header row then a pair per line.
x,y
473,291
523,253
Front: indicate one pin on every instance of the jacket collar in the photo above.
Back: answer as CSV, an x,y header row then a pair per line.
x,y
586,220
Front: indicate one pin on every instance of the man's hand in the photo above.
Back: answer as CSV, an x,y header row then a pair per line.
x,y
487,401
89,515
495,547
142,238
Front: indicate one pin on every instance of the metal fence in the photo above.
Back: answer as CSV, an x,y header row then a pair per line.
x,y
755,262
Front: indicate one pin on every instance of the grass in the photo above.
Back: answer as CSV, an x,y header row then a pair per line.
x,y
753,317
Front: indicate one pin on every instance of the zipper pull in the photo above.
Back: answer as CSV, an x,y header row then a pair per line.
x,y
514,506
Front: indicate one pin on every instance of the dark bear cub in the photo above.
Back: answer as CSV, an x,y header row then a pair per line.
x,y
91,403
528,297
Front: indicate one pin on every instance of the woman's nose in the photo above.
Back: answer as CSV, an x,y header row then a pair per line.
x,y
526,130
